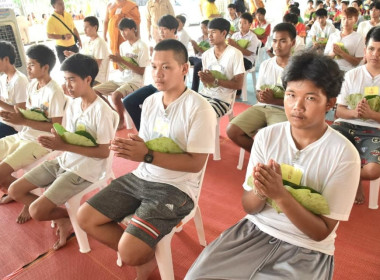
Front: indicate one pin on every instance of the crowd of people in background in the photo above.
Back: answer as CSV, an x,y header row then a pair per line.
x,y
324,57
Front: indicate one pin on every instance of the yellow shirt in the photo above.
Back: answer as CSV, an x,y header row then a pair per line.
x,y
209,9
54,26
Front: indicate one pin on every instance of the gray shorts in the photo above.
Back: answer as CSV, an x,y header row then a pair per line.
x,y
366,139
61,184
245,252
157,207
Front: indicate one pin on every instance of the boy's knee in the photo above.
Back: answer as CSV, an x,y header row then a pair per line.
x,y
371,171
133,256
36,212
84,217
14,191
116,96
233,131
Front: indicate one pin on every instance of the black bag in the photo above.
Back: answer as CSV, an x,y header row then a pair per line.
x,y
75,36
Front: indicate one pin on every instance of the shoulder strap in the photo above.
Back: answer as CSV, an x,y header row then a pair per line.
x,y
76,39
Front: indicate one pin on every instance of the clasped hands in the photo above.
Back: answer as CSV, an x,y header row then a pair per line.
x,y
132,148
13,117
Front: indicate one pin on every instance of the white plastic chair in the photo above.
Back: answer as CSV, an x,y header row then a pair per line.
x,y
241,159
163,251
244,93
230,115
374,194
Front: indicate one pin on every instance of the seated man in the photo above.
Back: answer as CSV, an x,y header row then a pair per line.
x,y
269,109
260,22
167,29
132,60
182,34
79,166
200,46
360,122
374,20
223,68
346,46
44,95
160,192
96,47
321,30
12,86
300,42
294,243
233,18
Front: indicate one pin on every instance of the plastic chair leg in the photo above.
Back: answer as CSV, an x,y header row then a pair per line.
x,y
241,159
164,257
374,194
199,226
244,94
72,206
217,141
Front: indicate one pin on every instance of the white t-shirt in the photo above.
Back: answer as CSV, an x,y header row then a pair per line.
x,y
269,74
319,32
253,44
190,122
354,43
98,120
331,166
99,50
139,52
230,64
299,45
13,92
233,22
183,37
364,27
49,99
355,81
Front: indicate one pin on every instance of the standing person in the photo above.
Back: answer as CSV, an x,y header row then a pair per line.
x,y
361,123
13,85
156,9
295,243
116,11
365,26
254,5
96,47
269,109
161,191
210,10
346,46
60,27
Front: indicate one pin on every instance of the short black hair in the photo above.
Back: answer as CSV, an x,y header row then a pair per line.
x,y
247,16
182,18
261,11
295,11
346,2
290,18
321,13
296,4
374,34
315,68
93,21
169,22
8,50
179,50
43,55
220,24
127,23
286,27
205,22
52,2
81,65
375,5
231,6
319,2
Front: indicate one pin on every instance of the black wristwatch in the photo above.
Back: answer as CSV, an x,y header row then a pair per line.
x,y
148,158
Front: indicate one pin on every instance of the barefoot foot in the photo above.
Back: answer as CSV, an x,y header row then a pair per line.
x,y
360,198
5,199
64,229
24,215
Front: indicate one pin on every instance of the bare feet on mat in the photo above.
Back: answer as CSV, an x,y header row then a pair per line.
x,y
145,270
5,199
24,215
360,198
64,229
